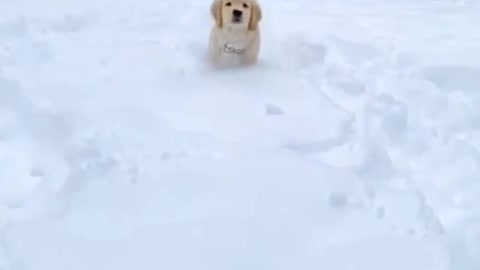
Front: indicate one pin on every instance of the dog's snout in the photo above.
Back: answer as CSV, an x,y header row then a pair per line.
x,y
237,13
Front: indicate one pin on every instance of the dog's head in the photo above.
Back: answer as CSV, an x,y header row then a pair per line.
x,y
237,13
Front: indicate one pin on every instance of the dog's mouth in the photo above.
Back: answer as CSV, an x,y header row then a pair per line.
x,y
237,20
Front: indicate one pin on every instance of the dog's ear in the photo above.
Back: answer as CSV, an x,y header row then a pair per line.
x,y
216,10
255,17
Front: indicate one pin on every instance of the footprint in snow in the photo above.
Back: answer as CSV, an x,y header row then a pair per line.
x,y
69,24
271,109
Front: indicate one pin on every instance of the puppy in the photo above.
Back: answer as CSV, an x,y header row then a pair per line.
x,y
235,37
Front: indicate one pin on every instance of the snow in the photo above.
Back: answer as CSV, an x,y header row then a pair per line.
x,y
353,144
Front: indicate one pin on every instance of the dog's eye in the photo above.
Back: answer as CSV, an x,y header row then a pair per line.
x,y
245,5
228,4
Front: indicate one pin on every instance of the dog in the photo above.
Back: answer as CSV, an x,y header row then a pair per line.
x,y
235,36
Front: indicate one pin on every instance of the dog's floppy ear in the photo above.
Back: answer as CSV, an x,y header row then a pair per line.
x,y
255,17
216,10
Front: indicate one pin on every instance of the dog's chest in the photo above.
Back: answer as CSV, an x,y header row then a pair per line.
x,y
233,41
235,36
232,46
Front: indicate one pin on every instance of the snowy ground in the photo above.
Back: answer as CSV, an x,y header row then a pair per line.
x,y
352,145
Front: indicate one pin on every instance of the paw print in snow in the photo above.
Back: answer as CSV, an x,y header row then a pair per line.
x,y
386,117
69,24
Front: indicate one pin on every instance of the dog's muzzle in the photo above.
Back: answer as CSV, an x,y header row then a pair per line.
x,y
237,15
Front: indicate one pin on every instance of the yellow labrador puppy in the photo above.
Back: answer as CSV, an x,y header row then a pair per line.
x,y
235,37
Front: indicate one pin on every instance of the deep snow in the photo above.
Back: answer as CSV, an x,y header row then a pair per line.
x,y
353,144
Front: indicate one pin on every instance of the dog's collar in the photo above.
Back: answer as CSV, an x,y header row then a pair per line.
x,y
230,49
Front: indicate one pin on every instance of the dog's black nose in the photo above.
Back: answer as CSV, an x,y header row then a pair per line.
x,y
237,13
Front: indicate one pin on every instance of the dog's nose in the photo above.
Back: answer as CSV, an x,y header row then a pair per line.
x,y
237,13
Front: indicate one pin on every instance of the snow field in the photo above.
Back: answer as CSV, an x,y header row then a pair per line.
x,y
352,145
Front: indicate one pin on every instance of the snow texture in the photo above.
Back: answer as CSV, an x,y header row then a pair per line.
x,y
353,144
